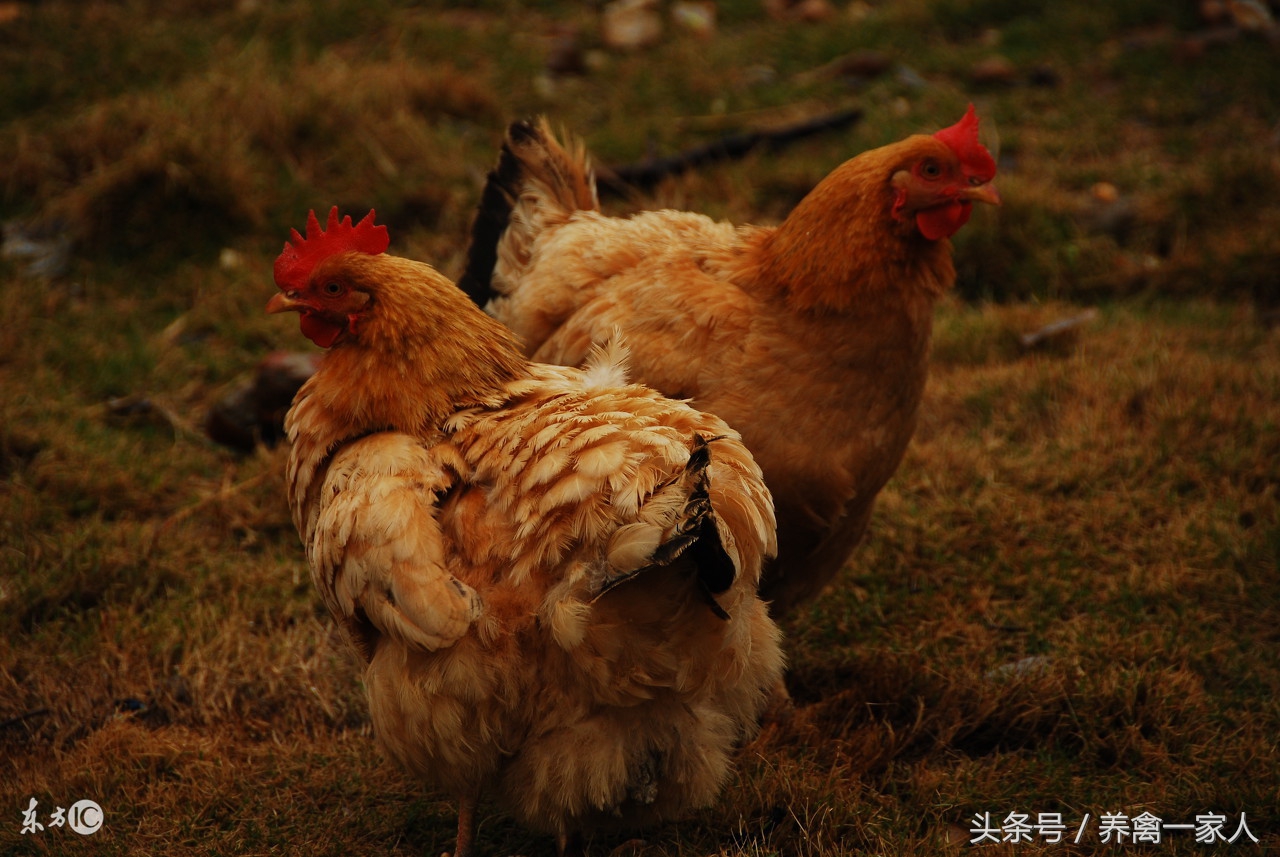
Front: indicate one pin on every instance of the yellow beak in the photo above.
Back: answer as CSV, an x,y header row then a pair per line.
x,y
985,192
284,302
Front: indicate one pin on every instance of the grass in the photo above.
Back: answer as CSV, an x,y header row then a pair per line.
x,y
1068,599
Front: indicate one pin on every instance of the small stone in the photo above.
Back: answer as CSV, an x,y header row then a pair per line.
x,y
253,411
630,25
1045,76
1104,192
995,70
696,16
809,11
565,55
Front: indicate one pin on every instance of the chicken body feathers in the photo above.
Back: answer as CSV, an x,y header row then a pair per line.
x,y
521,581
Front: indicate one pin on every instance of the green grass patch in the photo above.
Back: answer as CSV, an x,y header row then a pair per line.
x,y
1067,599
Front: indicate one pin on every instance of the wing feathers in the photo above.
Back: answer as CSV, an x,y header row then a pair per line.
x,y
377,548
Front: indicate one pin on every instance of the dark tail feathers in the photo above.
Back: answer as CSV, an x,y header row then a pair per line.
x,y
697,534
501,189
716,571
533,170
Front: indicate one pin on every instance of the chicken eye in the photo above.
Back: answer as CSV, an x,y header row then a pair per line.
x,y
332,288
930,169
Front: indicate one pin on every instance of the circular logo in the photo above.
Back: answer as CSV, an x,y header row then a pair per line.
x,y
85,817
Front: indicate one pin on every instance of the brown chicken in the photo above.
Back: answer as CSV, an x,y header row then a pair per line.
x,y
552,573
810,338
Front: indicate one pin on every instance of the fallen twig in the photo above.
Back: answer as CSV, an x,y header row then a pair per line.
x,y
22,718
1057,329
223,493
645,174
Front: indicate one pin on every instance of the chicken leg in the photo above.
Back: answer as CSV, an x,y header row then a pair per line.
x,y
465,846
569,844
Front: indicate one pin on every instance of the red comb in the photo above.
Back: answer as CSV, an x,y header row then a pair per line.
x,y
301,255
962,137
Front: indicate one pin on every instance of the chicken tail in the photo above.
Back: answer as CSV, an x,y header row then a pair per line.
x,y
677,520
536,183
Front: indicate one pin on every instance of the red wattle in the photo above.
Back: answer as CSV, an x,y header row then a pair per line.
x,y
943,221
320,330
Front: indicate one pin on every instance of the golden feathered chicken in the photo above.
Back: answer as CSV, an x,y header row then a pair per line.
x,y
810,338
552,573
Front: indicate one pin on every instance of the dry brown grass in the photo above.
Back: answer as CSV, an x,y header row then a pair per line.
x,y
1068,600
117,170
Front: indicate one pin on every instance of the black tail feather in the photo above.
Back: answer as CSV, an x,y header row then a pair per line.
x,y
700,540
493,214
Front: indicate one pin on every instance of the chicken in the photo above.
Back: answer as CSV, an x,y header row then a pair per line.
x,y
551,573
810,338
